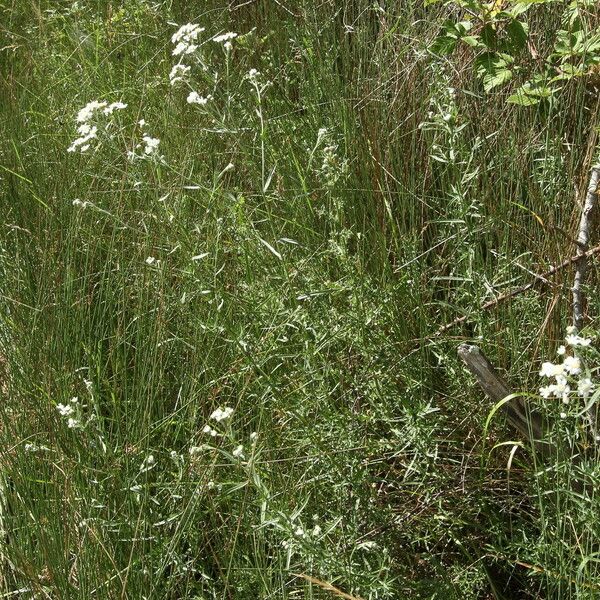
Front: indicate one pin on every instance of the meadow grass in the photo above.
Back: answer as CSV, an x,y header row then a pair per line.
x,y
287,251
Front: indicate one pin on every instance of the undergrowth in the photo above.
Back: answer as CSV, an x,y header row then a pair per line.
x,y
220,288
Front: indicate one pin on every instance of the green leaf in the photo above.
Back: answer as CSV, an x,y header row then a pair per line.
x,y
489,36
531,93
518,32
471,40
443,45
495,78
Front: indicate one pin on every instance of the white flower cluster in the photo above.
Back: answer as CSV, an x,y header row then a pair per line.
x,y
147,148
179,73
563,373
225,39
69,412
220,414
186,38
195,98
86,129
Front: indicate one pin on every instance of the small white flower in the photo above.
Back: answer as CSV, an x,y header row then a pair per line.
x,y
576,340
572,365
150,260
87,112
148,461
64,409
571,329
221,414
561,388
253,74
195,98
551,370
299,532
239,452
151,144
225,37
179,73
142,122
114,106
546,392
585,387
74,400
563,415
77,202
253,436
72,423
185,38
561,350
208,429
316,530
228,46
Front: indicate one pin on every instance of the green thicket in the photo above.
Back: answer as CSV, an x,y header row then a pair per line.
x,y
377,192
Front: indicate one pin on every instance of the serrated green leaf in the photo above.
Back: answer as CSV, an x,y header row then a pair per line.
x,y
522,99
518,32
443,45
471,40
495,78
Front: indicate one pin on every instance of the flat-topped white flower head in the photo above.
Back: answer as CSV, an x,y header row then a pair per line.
x,y
64,409
225,37
220,414
151,144
110,109
585,387
551,370
179,73
87,112
195,98
576,340
185,39
572,365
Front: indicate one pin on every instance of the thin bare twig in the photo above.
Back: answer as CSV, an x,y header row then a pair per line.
x,y
508,295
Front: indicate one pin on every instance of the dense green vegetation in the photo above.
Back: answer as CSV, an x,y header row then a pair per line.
x,y
347,180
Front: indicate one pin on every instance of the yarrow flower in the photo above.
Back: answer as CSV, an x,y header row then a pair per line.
x,y
87,112
572,365
551,370
185,39
585,387
110,109
87,131
225,37
209,430
195,98
577,340
64,409
151,144
220,414
179,73
238,452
